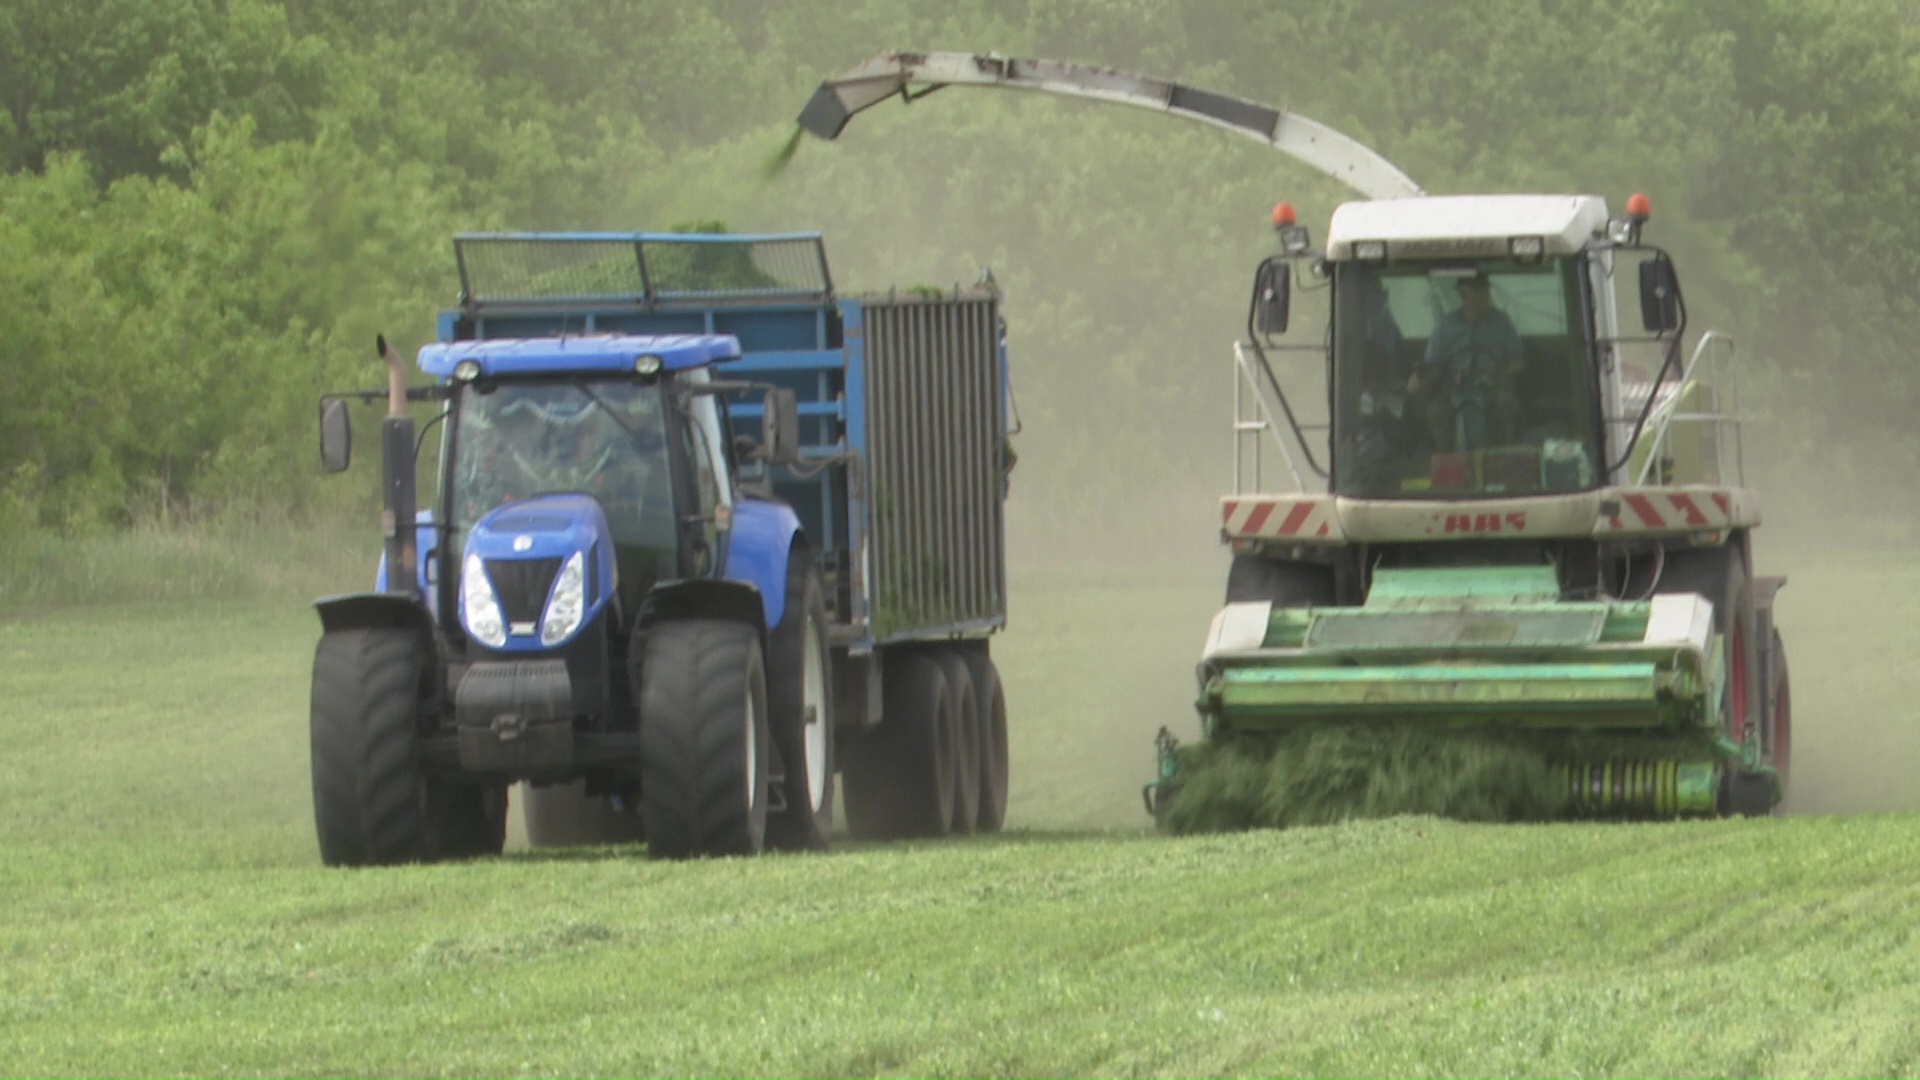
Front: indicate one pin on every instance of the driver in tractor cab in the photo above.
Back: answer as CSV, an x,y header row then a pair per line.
x,y
1469,375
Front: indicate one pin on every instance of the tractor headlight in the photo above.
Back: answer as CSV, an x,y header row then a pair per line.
x,y
466,370
479,607
647,365
1370,251
1527,249
568,603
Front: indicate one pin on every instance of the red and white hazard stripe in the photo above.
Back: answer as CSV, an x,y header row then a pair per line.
x,y
1654,509
1282,517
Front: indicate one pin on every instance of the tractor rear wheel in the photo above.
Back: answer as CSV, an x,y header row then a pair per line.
x,y
703,740
1283,584
898,779
800,713
373,803
964,702
564,815
992,701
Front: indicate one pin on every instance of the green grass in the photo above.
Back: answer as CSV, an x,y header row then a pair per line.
x,y
167,914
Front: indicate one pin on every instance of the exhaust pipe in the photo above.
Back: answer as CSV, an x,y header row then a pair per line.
x,y
397,465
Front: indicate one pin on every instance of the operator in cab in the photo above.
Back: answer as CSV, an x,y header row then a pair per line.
x,y
1470,373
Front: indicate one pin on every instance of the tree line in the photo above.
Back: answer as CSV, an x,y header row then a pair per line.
x,y
209,207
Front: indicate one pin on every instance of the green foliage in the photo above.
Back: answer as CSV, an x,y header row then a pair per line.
x,y
209,208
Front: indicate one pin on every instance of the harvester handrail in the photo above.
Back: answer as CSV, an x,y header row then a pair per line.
x,y
1716,349
1245,384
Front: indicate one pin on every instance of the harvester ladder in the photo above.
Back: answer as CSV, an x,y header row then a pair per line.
x,y
1254,414
1715,354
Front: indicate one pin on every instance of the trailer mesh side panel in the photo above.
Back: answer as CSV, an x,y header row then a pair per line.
x,y
936,434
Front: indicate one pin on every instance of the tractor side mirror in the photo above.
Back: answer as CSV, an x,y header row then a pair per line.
x,y
1272,296
336,436
1659,296
780,427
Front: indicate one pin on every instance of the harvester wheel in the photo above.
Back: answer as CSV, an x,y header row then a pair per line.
x,y
373,804
1779,727
564,815
898,780
1284,584
703,740
1720,575
965,704
800,713
992,701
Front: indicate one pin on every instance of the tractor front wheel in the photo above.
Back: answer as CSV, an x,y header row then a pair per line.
x,y
703,740
373,803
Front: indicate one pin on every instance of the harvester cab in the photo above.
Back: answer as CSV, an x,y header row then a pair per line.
x,y
1522,513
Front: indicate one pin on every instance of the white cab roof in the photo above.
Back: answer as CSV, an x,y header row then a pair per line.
x,y
1466,225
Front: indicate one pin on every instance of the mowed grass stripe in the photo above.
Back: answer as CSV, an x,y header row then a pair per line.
x,y
166,913
1409,946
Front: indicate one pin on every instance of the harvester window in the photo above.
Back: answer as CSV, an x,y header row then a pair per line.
x,y
1460,379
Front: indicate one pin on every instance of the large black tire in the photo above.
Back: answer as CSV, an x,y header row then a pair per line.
x,y
1778,734
1284,584
373,804
964,703
992,702
800,713
898,778
1720,574
703,740
564,815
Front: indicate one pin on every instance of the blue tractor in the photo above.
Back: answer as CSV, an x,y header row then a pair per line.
x,y
704,536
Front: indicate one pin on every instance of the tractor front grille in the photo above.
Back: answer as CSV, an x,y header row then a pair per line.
x,y
522,585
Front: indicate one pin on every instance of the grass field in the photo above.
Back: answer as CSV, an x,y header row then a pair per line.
x,y
167,913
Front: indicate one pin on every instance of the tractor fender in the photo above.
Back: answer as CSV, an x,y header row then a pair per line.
x,y
764,532
380,611
703,598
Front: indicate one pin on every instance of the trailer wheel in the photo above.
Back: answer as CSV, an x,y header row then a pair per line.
x,y
564,815
964,701
1282,583
703,740
1779,727
898,779
992,702
373,804
800,713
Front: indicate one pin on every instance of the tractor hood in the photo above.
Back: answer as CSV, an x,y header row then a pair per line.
x,y
534,572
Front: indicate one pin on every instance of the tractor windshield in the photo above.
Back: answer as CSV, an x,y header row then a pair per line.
x,y
605,438
1462,378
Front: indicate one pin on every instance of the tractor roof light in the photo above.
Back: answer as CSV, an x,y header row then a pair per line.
x,y
466,370
647,365
1370,251
1527,249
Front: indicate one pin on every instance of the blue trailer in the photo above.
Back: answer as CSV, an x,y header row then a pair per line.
x,y
704,535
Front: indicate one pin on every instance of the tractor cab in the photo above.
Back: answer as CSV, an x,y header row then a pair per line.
x,y
607,449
